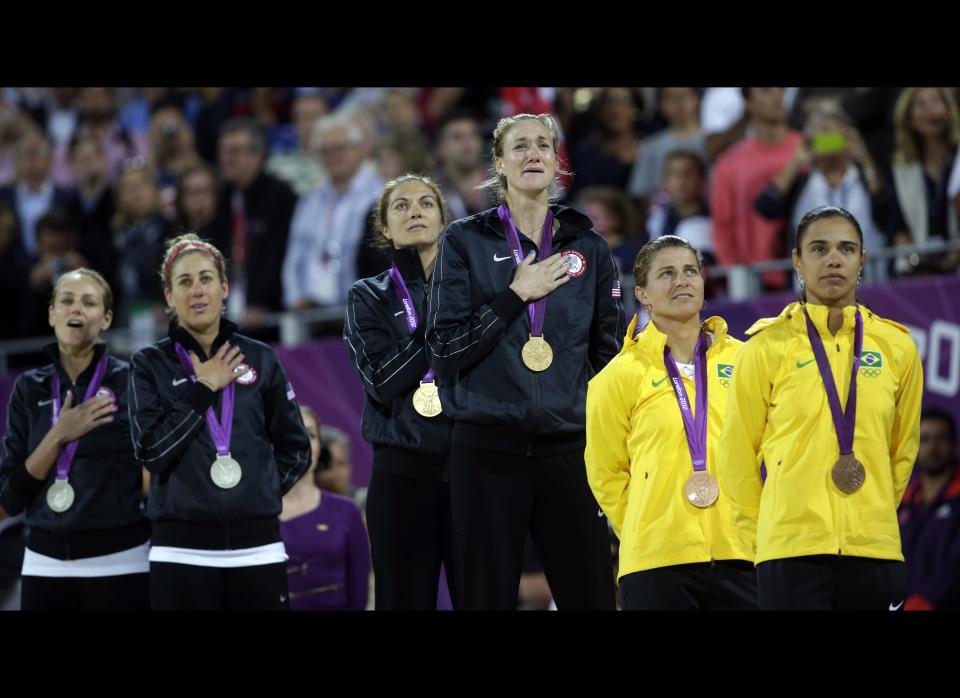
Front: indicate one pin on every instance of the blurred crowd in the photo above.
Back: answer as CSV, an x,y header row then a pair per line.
x,y
284,180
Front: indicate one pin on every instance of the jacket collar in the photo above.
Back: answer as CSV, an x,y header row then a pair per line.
x,y
408,263
52,350
651,340
793,314
571,221
178,334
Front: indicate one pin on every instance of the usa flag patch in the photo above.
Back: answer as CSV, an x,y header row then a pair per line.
x,y
290,394
616,288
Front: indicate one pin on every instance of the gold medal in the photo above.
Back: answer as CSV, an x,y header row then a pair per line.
x,y
426,400
537,354
701,490
848,474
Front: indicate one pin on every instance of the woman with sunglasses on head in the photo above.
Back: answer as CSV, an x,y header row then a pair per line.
x,y
68,463
827,397
216,422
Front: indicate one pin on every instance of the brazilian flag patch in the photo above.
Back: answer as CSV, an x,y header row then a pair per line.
x,y
725,371
871,364
871,359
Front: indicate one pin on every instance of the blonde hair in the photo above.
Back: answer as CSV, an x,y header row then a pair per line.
x,y
497,183
189,243
907,143
93,274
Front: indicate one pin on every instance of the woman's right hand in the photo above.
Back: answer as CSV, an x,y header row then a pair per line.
x,y
218,371
78,421
533,281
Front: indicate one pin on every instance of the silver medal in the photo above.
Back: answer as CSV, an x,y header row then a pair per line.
x,y
60,496
225,472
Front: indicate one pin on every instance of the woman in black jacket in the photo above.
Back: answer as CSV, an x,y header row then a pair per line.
x,y
68,462
513,342
215,421
408,502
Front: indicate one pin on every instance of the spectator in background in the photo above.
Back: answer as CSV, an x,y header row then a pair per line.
x,y
681,108
334,469
301,168
97,116
140,231
217,106
58,253
723,118
615,219
197,194
740,234
329,222
13,123
830,167
252,223
682,209
95,205
13,273
325,539
402,153
398,111
459,151
607,154
34,192
399,154
927,133
136,114
172,145
930,518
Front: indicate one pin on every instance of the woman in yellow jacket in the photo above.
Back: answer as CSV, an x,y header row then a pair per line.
x,y
826,515
653,419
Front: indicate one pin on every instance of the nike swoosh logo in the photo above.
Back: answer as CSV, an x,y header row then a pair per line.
x,y
178,381
44,403
600,514
897,607
400,313
500,259
656,384
801,365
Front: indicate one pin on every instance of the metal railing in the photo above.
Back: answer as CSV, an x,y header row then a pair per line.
x,y
297,326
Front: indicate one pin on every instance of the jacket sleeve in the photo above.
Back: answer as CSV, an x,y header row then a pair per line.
x,y
161,434
18,488
387,368
457,335
905,435
739,448
606,456
298,247
288,435
608,326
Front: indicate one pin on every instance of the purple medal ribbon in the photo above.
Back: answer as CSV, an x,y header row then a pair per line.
x,y
219,430
65,457
844,421
410,311
538,309
694,425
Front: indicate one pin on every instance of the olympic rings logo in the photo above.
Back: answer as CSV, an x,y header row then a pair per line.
x,y
870,372
725,383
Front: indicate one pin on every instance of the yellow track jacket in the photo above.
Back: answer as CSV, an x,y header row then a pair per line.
x,y
638,461
779,413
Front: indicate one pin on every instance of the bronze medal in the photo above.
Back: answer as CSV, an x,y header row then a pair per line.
x,y
426,400
537,354
848,474
701,490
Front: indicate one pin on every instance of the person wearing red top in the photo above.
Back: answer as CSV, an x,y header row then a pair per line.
x,y
740,234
